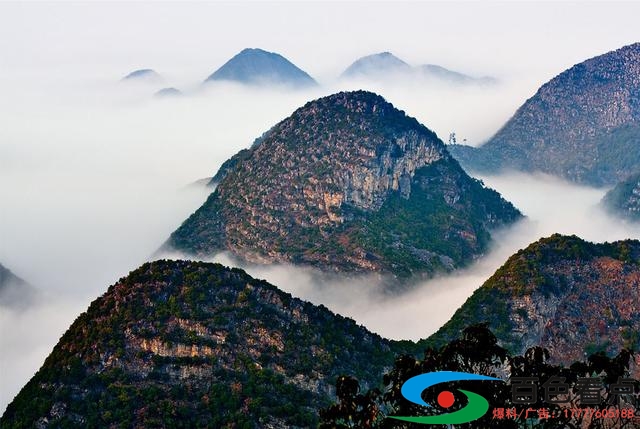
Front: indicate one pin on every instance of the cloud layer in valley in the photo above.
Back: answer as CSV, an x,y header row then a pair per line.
x,y
95,174
551,206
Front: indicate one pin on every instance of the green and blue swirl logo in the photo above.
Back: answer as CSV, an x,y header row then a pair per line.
x,y
477,405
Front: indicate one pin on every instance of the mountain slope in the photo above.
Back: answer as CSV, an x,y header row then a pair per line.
x,y
563,293
347,183
256,66
14,292
624,199
231,163
188,344
583,125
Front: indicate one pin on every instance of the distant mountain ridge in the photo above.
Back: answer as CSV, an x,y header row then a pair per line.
x,y
190,344
384,62
568,295
15,292
169,92
254,66
143,74
385,65
6,276
438,72
257,66
347,183
583,125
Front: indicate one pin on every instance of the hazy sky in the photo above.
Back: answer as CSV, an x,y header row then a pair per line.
x,y
189,40
93,173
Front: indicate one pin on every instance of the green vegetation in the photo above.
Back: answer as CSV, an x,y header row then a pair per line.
x,y
582,125
441,225
622,200
477,351
189,344
347,183
573,293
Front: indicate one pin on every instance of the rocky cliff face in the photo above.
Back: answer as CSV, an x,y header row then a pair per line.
x,y
259,67
583,125
187,344
347,183
562,293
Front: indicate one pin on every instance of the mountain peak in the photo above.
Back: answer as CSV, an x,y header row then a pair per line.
x,y
257,66
256,51
143,74
328,185
169,92
360,102
377,64
386,56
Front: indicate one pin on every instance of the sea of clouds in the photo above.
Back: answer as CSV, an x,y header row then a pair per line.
x,y
96,173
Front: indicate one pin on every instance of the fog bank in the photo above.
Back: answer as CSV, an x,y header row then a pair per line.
x,y
551,206
94,173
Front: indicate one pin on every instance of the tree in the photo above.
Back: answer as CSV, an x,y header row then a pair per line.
x,y
478,352
353,410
